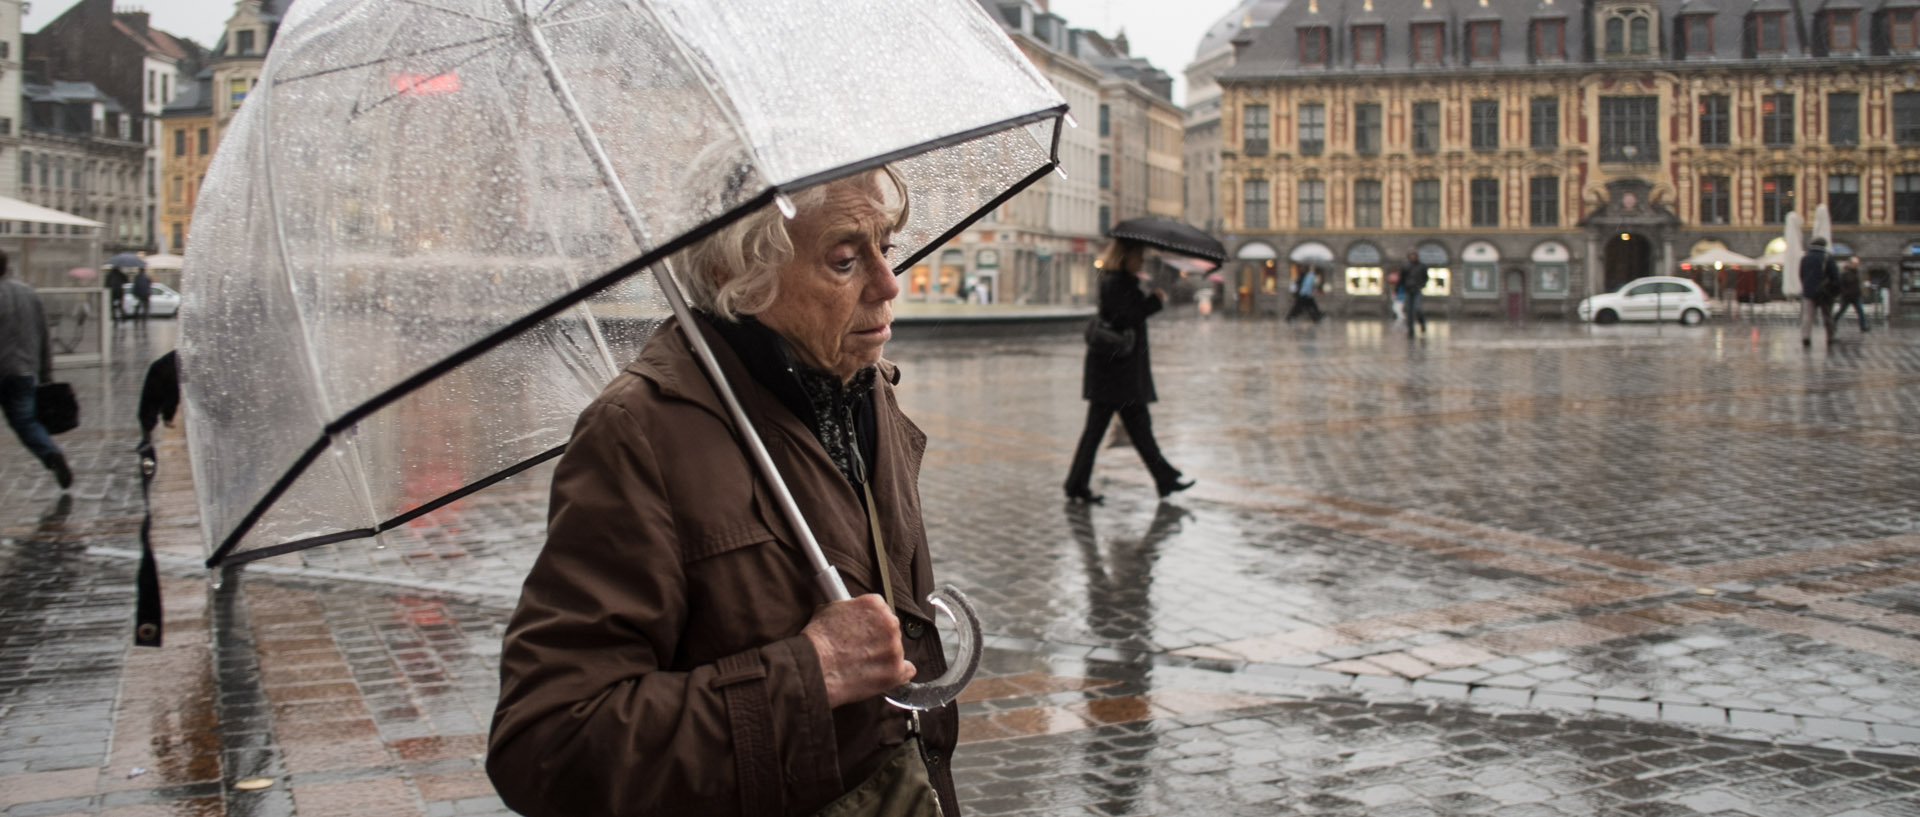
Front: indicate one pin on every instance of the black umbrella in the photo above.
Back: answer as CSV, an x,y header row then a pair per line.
x,y
126,260
1172,236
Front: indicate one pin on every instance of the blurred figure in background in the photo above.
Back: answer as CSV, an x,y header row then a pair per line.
x,y
1850,292
26,361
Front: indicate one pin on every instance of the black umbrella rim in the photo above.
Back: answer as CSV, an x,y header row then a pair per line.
x,y
1130,230
224,554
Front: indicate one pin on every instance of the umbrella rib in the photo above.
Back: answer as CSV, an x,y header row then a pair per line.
x,y
383,60
454,12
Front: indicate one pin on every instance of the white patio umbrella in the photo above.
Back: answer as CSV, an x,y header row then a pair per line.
x,y
1823,224
1722,257
1790,257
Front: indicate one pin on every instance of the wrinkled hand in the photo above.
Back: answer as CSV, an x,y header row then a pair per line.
x,y
1160,293
859,646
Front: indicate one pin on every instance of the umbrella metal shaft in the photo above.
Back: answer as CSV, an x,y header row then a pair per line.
x,y
825,574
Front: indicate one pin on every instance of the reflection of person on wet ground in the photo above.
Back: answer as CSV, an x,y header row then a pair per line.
x,y
1121,384
1120,579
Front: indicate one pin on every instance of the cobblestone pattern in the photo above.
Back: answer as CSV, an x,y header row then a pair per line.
x,y
1392,546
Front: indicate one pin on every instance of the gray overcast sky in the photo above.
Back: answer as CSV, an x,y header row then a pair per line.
x,y
201,21
1164,31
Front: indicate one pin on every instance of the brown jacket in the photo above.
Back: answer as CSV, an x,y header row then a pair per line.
x,y
655,664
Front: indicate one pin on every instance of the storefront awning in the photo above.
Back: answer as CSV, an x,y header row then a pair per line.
x,y
16,210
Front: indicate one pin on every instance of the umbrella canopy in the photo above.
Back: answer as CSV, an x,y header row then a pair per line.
x,y
1172,236
1823,224
416,246
1721,256
126,260
1790,265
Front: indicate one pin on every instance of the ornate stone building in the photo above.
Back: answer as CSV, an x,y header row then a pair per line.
x,y
197,117
1534,152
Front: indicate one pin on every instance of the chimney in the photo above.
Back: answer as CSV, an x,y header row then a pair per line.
x,y
1120,43
136,20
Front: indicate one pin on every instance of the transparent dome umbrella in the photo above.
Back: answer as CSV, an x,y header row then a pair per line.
x,y
414,256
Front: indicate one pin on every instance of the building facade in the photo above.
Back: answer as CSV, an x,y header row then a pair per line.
x,y
187,129
1201,140
1122,159
1533,153
80,153
195,119
135,65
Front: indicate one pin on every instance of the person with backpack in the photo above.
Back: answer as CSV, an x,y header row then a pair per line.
x,y
1819,284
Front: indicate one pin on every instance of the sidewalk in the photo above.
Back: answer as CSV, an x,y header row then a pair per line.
x,y
1535,571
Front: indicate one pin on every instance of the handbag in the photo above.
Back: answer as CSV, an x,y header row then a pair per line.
x,y
1104,339
901,787
56,408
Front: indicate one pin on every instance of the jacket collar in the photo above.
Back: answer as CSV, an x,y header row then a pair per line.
x,y
668,361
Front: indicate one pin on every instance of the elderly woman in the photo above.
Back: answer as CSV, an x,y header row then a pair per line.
x,y
671,653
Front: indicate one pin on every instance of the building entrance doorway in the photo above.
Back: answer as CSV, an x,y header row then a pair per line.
x,y
1628,256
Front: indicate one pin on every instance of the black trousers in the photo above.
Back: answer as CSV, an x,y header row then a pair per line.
x,y
1139,426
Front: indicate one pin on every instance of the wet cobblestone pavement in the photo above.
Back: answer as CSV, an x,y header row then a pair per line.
x,y
1545,570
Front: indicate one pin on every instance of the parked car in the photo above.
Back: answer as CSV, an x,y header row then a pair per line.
x,y
163,302
1660,298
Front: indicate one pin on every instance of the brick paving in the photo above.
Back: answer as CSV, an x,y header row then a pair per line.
x,y
1531,570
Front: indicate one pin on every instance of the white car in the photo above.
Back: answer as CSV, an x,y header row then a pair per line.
x,y
163,302
1660,298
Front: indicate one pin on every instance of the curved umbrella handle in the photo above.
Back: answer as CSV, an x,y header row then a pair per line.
x,y
966,628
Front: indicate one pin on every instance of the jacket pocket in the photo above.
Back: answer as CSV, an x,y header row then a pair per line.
x,y
707,541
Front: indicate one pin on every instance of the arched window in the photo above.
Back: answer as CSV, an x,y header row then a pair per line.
x,y
1637,35
1616,35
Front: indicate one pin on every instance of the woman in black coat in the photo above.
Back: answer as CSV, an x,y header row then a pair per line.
x,y
1121,384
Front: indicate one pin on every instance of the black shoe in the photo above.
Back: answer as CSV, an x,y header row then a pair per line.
x,y
57,463
1175,487
1084,498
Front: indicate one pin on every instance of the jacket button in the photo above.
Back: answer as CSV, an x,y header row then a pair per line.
x,y
913,629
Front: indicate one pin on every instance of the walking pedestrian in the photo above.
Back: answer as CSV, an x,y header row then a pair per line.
x,y
1819,283
26,361
116,282
1121,383
1850,292
142,293
1304,296
1413,279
